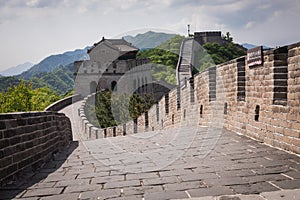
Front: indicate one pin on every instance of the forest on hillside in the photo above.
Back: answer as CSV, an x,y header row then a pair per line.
x,y
22,98
165,57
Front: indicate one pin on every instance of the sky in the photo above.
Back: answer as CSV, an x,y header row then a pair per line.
x,y
31,30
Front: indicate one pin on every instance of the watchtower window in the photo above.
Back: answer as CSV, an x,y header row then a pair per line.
x,y
212,83
146,120
225,108
241,80
135,126
167,103
114,131
114,86
124,129
192,91
257,109
201,111
178,97
157,112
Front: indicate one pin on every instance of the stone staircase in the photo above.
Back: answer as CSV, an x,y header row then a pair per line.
x,y
185,62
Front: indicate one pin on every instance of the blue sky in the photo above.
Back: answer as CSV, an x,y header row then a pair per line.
x,y
31,30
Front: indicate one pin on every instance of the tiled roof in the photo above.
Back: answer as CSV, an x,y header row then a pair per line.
x,y
120,44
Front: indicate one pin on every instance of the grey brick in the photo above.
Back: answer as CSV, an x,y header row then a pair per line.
x,y
211,191
42,192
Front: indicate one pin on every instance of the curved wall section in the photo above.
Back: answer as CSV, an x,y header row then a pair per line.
x,y
28,140
58,105
262,102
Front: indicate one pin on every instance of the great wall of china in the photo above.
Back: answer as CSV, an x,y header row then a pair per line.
x,y
261,102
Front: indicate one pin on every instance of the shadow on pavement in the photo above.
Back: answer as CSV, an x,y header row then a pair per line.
x,y
28,179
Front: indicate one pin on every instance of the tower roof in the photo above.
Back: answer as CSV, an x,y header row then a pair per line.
x,y
120,44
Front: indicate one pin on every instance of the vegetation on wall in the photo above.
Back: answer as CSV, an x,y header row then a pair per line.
x,y
113,109
165,56
22,97
59,80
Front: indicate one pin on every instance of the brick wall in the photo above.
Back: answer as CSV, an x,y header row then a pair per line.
x,y
262,102
56,106
28,140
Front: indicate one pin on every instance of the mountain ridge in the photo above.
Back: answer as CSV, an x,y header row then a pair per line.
x,y
16,70
148,40
49,63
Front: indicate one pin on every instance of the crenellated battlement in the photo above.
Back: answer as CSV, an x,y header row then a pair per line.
x,y
262,101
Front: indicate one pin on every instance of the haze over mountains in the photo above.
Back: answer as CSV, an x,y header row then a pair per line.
x,y
17,69
56,71
148,40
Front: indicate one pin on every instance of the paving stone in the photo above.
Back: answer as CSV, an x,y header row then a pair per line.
x,y
225,181
77,182
92,175
59,177
273,170
81,188
73,196
165,195
121,184
161,180
288,184
293,174
140,176
175,172
254,188
282,195
195,176
236,173
106,179
199,198
184,186
42,185
240,197
142,190
136,197
29,198
100,194
42,192
264,178
211,191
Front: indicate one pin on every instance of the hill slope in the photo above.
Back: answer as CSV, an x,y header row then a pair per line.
x,y
148,40
12,71
53,61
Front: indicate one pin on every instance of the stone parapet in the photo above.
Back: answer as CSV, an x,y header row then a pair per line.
x,y
262,102
28,140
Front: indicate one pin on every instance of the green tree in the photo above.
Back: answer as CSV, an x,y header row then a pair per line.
x,y
22,98
113,109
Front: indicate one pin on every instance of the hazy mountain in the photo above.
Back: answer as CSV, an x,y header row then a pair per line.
x,y
53,61
250,46
148,40
17,69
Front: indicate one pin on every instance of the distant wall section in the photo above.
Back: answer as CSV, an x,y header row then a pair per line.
x,y
262,102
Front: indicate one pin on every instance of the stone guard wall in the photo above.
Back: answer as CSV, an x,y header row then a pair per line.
x,y
56,106
28,140
261,102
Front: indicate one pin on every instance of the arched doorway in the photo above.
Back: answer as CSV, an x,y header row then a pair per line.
x,y
113,86
93,86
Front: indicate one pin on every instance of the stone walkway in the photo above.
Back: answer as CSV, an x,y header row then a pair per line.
x,y
185,163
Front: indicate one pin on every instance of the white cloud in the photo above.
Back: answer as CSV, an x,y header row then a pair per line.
x,y
38,28
249,25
